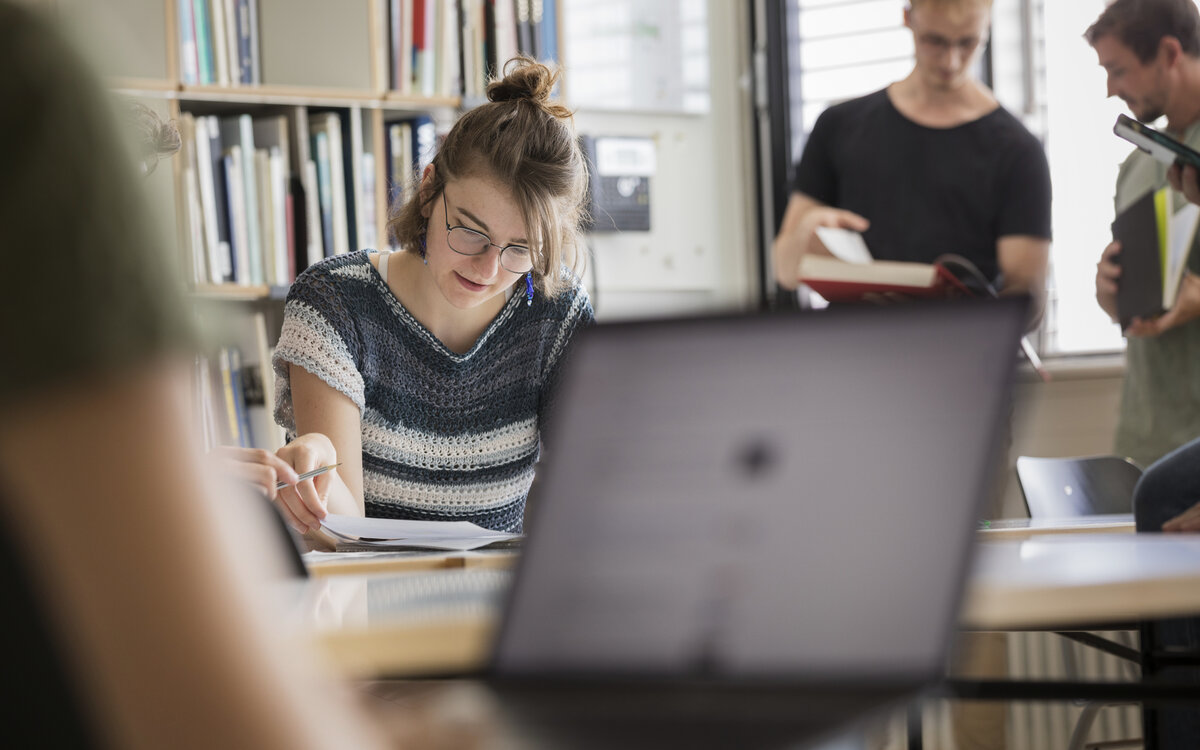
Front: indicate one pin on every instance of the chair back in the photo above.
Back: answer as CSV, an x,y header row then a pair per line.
x,y
1078,486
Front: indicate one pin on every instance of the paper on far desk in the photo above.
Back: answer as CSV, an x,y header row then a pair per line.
x,y
391,532
845,244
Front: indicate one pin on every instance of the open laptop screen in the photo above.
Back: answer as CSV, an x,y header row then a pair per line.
x,y
780,497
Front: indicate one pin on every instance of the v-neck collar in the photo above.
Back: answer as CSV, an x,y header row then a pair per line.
x,y
419,328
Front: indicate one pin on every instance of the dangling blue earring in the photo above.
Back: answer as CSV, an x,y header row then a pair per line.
x,y
529,289
424,259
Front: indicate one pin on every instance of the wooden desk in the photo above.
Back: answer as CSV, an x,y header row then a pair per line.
x,y
357,563
397,624
1075,580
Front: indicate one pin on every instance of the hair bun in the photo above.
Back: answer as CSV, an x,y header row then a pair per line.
x,y
524,78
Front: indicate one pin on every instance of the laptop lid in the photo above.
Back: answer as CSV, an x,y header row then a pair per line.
x,y
784,499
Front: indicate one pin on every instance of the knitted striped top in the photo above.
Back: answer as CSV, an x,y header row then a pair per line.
x,y
445,436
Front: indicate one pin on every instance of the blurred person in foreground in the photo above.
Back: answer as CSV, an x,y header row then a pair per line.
x,y
136,586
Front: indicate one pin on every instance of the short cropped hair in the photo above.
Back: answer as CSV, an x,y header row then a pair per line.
x,y
1141,25
525,141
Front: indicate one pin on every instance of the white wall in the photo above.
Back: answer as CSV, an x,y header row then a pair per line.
x,y
700,254
1075,414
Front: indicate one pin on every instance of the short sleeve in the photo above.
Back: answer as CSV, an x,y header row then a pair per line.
x,y
1025,196
816,174
319,334
92,285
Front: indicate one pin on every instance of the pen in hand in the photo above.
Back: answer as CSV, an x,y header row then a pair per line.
x,y
308,475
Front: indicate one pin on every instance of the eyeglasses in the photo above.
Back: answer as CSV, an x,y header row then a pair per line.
x,y
940,45
513,258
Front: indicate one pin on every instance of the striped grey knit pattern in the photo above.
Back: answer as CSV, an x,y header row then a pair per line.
x,y
445,436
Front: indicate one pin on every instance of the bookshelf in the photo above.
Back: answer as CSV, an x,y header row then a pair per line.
x,y
299,120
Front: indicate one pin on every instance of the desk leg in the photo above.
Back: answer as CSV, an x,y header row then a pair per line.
x,y
915,720
1148,644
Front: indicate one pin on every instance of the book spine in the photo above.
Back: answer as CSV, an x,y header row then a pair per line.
x,y
277,179
225,258
263,204
312,209
208,204
237,215
245,66
232,41
189,64
244,437
549,30
343,207
325,189
250,195
255,54
229,396
220,42
204,47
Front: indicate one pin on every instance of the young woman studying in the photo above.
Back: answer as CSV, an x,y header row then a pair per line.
x,y
426,372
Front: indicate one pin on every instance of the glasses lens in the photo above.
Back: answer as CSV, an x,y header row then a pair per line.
x,y
466,242
517,259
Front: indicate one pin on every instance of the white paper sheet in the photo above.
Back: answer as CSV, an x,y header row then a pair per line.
x,y
390,532
845,244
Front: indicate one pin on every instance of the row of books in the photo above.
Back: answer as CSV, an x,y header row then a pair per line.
x,y
235,391
218,42
452,47
267,195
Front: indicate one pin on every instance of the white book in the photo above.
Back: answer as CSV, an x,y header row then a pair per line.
x,y
195,233
507,44
218,251
337,178
312,208
277,168
449,82
233,58
404,68
363,193
250,177
264,203
366,234
238,231
428,79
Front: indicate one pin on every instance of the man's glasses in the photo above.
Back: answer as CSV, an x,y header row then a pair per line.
x,y
513,258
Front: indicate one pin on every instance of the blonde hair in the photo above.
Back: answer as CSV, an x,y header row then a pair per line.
x,y
524,141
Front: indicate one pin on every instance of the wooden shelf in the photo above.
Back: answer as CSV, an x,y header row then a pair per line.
x,y
283,96
238,292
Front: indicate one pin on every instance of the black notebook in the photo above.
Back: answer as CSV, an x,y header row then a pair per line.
x,y
1140,289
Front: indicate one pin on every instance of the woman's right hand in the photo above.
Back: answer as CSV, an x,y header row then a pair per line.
x,y
304,503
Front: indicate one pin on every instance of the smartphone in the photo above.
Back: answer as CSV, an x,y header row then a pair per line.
x,y
1159,145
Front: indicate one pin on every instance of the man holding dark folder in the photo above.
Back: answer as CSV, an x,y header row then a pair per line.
x,y
1151,52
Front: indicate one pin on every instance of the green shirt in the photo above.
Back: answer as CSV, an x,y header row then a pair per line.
x,y
1160,398
90,282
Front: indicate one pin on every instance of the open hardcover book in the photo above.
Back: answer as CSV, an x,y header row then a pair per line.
x,y
390,533
839,281
851,273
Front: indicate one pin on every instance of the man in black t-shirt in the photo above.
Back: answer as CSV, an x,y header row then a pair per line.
x,y
930,165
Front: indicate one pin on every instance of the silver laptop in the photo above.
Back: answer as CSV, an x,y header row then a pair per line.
x,y
748,530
